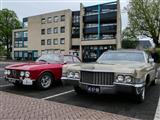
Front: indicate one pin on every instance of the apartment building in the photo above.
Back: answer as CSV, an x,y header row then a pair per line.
x,y
46,33
86,33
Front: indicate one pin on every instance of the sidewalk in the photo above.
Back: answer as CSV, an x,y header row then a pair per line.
x,y
24,108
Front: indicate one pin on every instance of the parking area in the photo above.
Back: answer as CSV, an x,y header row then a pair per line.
x,y
17,107
116,105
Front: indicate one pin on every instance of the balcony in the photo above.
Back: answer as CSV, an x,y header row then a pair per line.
x,y
105,18
103,29
109,17
108,29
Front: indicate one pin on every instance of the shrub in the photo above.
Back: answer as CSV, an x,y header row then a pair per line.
x,y
128,44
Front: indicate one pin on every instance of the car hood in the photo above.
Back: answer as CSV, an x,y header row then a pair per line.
x,y
29,66
118,67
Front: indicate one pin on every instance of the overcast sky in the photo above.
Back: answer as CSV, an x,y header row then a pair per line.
x,y
25,8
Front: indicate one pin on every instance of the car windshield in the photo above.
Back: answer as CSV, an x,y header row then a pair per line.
x,y
121,56
51,58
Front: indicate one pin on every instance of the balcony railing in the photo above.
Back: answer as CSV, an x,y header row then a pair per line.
x,y
105,17
103,29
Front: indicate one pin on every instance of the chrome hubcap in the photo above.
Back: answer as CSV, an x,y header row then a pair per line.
x,y
46,81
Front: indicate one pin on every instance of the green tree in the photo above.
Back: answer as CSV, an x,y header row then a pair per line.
x,y
129,34
8,22
2,50
144,18
129,39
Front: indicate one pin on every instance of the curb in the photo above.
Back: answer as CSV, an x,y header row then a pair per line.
x,y
157,114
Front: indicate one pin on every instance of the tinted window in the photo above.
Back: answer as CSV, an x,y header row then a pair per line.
x,y
122,56
76,60
68,59
51,58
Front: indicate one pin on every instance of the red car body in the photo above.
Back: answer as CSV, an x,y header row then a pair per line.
x,y
16,73
36,69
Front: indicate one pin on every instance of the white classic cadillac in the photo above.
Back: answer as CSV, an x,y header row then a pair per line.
x,y
115,71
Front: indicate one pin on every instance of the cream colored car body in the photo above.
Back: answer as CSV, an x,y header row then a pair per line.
x,y
109,73
136,69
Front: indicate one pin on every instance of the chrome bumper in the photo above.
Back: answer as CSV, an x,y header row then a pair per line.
x,y
70,81
25,81
108,89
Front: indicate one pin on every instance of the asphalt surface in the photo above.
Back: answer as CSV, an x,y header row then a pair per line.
x,y
121,104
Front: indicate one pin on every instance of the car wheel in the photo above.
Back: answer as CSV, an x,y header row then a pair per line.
x,y
78,90
141,95
45,81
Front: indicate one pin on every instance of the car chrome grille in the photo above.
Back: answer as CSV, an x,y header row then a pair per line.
x,y
99,78
15,73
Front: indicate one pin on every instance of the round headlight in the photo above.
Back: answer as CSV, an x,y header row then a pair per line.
x,y
5,72
27,74
76,75
22,74
8,72
70,75
120,78
128,79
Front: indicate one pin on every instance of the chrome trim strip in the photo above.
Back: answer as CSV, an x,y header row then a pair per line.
x,y
105,71
127,84
18,79
13,79
66,78
95,71
96,85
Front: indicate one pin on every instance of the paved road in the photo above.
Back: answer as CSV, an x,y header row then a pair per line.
x,y
120,104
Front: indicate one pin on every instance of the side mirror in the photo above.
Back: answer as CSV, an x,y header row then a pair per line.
x,y
151,60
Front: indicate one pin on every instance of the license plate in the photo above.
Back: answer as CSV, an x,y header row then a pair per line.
x,y
94,89
12,80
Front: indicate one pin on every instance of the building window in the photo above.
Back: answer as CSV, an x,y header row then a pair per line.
x,y
55,41
17,34
62,17
16,44
16,54
21,39
25,34
49,31
76,19
25,43
49,19
42,42
55,18
55,30
43,21
62,29
62,41
49,42
42,31
25,24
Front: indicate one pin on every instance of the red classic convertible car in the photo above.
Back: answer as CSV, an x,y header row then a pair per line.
x,y
43,73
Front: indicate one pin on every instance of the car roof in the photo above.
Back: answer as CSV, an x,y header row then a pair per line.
x,y
126,50
59,54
